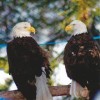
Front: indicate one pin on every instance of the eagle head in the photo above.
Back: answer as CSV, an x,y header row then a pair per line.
x,y
22,29
76,27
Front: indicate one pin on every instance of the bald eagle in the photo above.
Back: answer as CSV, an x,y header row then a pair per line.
x,y
82,60
28,63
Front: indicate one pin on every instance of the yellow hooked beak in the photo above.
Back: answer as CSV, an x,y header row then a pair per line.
x,y
31,29
68,28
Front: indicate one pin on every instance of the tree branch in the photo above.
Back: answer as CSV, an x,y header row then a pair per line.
x,y
55,91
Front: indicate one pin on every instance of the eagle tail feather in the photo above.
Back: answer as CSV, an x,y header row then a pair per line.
x,y
75,89
43,92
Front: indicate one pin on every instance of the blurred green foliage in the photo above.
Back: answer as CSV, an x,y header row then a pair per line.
x,y
4,87
4,64
49,17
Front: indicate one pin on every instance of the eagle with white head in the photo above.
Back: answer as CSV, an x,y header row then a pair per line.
x,y
82,60
28,63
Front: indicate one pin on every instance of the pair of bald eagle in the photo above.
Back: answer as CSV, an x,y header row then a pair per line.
x,y
29,64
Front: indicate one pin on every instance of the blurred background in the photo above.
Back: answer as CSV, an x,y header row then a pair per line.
x,y
49,17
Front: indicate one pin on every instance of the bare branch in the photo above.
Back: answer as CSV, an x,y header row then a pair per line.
x,y
55,91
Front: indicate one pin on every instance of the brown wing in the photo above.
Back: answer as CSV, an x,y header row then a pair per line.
x,y
24,53
82,59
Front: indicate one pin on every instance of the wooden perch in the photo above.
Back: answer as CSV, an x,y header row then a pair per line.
x,y
55,91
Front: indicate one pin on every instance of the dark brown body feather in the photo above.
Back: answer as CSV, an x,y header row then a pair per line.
x,y
26,59
82,62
